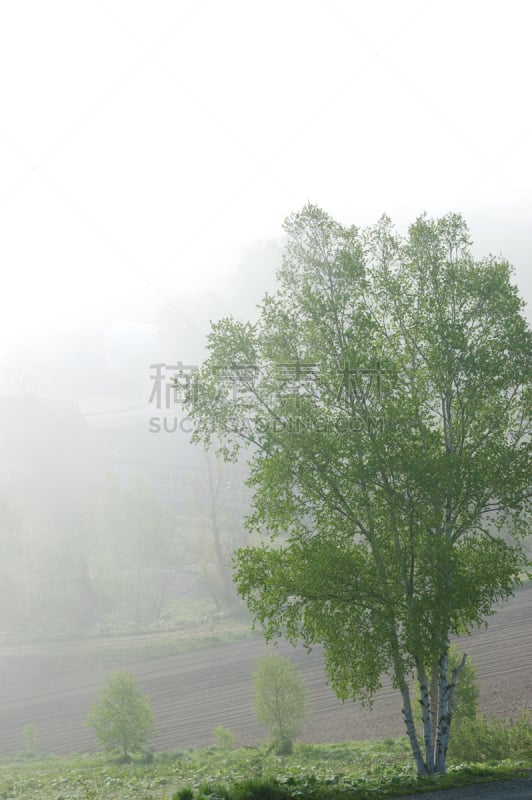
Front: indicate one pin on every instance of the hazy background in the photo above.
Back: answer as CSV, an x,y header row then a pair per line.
x,y
148,155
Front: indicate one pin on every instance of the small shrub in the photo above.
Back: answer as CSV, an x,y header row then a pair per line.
x,y
29,733
224,739
492,739
185,793
257,789
214,791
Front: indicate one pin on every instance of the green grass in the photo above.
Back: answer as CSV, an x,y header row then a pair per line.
x,y
347,771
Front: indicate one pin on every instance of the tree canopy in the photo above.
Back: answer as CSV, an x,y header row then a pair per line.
x,y
282,701
383,400
122,716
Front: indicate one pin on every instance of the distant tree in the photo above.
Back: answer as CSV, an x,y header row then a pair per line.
x,y
213,516
122,715
12,599
138,541
152,533
281,700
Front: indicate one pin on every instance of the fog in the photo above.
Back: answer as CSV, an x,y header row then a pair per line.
x,y
147,160
148,156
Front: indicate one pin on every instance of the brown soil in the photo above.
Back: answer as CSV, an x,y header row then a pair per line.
x,y
54,686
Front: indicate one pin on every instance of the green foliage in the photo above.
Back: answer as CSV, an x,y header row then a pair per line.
x,y
224,739
485,739
284,746
257,789
212,791
281,700
383,397
29,733
122,716
344,771
465,706
186,793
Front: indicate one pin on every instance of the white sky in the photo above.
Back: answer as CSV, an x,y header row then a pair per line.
x,y
143,144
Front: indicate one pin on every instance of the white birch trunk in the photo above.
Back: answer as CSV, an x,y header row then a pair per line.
x,y
434,702
426,717
421,767
445,714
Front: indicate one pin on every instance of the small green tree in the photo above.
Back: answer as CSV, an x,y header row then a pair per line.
x,y
281,700
224,739
122,715
29,733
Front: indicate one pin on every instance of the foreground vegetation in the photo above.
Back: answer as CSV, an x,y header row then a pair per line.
x,y
360,770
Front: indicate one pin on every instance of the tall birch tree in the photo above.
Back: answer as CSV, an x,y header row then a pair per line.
x,y
384,397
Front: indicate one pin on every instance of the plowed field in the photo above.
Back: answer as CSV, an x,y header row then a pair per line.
x,y
54,686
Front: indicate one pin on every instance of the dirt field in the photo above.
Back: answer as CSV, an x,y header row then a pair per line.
x,y
54,686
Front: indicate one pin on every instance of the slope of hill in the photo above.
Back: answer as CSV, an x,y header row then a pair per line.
x,y
54,686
